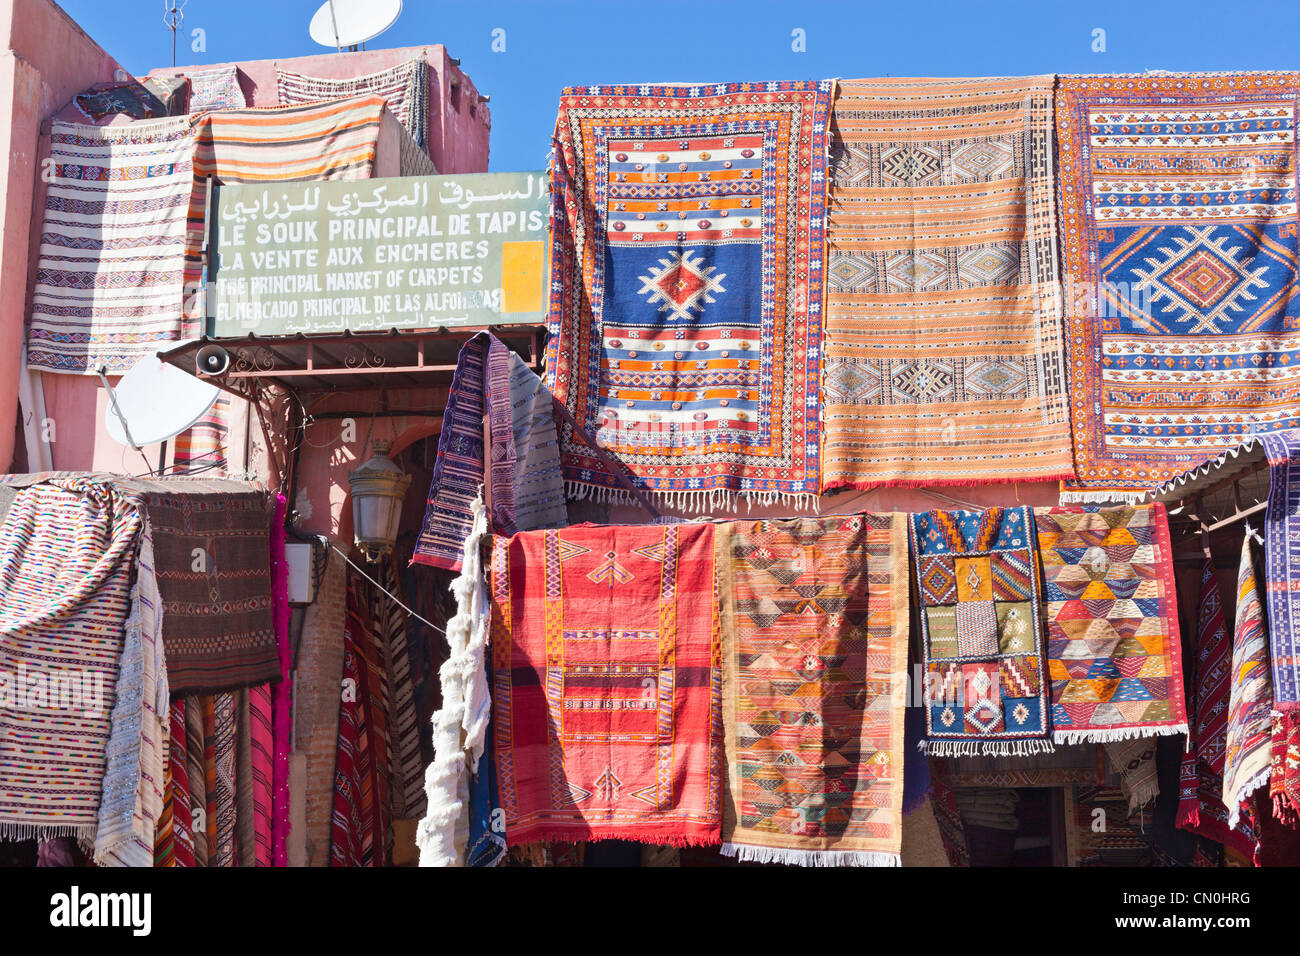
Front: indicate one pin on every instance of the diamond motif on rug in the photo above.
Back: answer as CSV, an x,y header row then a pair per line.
x,y
910,165
680,285
923,381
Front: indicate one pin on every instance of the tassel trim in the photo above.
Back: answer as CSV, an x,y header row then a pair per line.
x,y
846,484
715,499
1099,736
789,857
986,748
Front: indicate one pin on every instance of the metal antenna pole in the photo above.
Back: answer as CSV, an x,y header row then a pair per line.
x,y
173,17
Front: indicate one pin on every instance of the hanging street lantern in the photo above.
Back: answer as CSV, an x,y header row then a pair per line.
x,y
378,490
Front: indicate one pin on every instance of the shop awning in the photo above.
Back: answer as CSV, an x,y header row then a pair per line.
x,y
348,361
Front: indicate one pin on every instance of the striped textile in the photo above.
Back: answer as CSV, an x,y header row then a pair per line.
x,y
175,827
281,692
253,775
407,776
259,726
202,446
405,87
133,798
66,552
207,703
1200,805
943,326
1246,763
223,799
196,772
320,141
360,818
109,279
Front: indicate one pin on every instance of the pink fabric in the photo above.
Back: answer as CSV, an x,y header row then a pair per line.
x,y
281,693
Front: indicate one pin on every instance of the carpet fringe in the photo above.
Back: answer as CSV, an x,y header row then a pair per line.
x,y
1096,736
1243,793
986,748
790,857
703,501
847,485
84,834
1102,497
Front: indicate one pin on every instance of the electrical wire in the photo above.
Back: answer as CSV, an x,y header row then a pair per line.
x,y
393,597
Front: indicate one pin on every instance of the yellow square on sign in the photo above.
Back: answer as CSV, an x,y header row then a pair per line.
x,y
522,281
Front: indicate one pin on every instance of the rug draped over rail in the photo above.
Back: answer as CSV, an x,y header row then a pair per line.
x,y
814,650
943,322
1179,251
405,87
67,547
110,279
686,287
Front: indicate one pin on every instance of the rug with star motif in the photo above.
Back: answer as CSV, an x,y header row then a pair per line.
x,y
686,287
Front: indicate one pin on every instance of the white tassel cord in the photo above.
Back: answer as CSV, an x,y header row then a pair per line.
x,y
767,854
1071,737
986,748
443,833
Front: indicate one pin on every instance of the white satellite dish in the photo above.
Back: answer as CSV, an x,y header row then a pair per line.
x,y
158,401
340,23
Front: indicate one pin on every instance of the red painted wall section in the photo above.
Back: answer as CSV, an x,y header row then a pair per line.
x,y
46,58
459,123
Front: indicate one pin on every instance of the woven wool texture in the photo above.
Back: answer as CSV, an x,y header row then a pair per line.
x,y
943,324
686,286
814,662
109,279
67,547
1114,655
607,684
1179,252
977,582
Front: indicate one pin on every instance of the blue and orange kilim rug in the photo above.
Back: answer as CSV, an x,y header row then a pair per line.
x,y
1179,242
686,286
977,579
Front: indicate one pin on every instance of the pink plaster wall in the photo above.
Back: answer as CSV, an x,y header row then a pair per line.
x,y
46,59
459,125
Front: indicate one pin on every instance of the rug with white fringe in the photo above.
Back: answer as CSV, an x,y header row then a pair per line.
x,y
1247,758
977,581
686,286
814,650
1114,654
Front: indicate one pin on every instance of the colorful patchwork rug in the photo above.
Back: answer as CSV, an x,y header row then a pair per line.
x,y
1200,805
686,282
977,578
109,281
1179,227
943,323
1249,736
1113,648
814,657
607,707
211,539
527,488
67,548
405,87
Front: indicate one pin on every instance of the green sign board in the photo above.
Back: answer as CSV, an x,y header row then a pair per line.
x,y
416,252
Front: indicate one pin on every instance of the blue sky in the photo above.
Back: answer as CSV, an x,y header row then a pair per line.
x,y
550,44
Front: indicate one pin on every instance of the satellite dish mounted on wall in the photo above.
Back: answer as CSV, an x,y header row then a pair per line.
x,y
156,401
350,23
